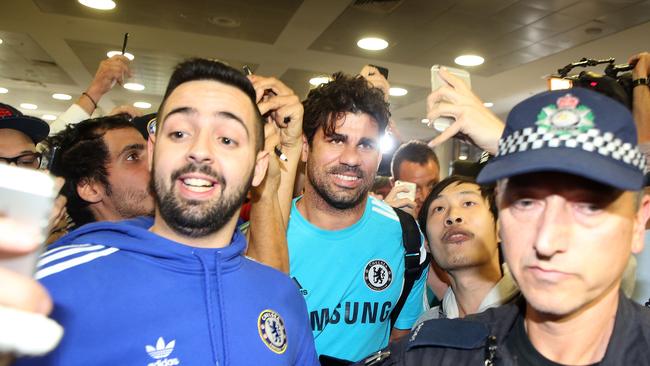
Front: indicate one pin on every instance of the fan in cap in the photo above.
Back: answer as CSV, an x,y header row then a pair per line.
x,y
146,124
35,128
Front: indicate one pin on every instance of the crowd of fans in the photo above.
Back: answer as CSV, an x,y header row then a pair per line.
x,y
182,238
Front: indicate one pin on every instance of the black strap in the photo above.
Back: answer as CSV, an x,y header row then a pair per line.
x,y
412,242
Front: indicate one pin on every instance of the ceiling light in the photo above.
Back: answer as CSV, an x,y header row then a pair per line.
x,y
4,90
48,117
469,60
462,157
372,44
425,120
488,104
316,81
98,4
134,86
397,92
28,106
1,41
126,54
60,96
143,105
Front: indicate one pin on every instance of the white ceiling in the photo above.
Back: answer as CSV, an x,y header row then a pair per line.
x,y
55,45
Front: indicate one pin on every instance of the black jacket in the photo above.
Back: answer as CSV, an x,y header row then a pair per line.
x,y
481,337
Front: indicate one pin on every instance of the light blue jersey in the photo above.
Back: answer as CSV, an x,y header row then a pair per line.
x,y
352,279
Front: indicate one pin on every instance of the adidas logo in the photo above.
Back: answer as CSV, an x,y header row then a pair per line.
x,y
160,353
303,291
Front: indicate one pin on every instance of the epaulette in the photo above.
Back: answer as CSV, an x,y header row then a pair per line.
x,y
449,333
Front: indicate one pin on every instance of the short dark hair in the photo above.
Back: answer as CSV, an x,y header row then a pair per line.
x,y
83,155
203,69
329,102
414,151
487,192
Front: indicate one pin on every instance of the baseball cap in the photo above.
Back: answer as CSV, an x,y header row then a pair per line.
x,y
146,124
575,131
35,128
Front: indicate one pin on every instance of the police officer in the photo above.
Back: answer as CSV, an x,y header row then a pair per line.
x,y
569,177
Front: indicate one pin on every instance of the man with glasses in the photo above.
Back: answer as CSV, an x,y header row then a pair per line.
x,y
19,135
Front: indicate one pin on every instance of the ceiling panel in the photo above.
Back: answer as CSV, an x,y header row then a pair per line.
x,y
551,5
251,20
152,68
591,9
522,13
626,17
558,22
22,59
298,80
584,33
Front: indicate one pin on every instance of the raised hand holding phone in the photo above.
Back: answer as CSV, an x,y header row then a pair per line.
x,y
472,119
437,82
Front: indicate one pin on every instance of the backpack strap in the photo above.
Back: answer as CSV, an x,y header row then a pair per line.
x,y
412,241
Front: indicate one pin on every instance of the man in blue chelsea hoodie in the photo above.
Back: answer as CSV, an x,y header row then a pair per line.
x,y
176,289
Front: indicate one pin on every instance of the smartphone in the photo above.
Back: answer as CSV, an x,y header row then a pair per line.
x,y
382,70
26,196
441,123
410,194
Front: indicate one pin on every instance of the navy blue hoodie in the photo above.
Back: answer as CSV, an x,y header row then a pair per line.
x,y
126,296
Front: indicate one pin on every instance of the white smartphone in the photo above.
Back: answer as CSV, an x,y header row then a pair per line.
x,y
410,194
441,124
26,196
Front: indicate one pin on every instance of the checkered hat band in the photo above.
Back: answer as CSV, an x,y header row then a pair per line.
x,y
593,140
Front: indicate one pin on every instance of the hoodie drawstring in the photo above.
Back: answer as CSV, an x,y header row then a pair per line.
x,y
209,306
223,318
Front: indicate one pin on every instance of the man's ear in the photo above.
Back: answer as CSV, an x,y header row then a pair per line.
x,y
305,149
90,191
497,230
151,142
261,165
391,180
642,215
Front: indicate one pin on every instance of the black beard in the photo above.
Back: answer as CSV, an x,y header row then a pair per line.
x,y
339,203
196,219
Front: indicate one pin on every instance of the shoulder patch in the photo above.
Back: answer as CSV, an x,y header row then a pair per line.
x,y
449,333
270,326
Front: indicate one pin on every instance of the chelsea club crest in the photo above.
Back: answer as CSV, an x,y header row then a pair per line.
x,y
272,331
377,275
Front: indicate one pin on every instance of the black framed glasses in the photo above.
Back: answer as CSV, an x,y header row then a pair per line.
x,y
29,160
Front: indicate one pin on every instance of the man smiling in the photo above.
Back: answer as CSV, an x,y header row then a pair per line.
x,y
345,248
176,289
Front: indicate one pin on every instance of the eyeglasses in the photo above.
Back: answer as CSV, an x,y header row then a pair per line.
x,y
29,160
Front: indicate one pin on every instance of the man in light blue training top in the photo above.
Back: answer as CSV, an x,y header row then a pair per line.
x,y
176,289
345,248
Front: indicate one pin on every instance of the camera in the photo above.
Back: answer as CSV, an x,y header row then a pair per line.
x,y
615,82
